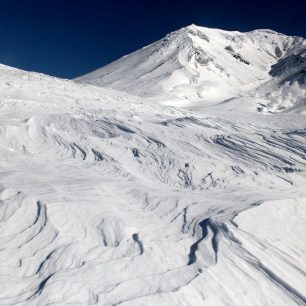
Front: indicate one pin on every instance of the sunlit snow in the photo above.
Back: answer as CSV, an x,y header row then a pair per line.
x,y
114,197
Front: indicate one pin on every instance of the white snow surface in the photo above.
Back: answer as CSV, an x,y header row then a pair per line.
x,y
197,66
109,198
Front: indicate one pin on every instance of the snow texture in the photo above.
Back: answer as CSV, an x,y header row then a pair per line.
x,y
114,197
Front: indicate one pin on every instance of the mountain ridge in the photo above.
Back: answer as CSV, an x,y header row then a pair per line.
x,y
206,66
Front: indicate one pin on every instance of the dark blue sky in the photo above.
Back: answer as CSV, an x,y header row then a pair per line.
x,y
69,38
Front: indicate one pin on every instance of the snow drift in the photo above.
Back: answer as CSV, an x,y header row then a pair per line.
x,y
109,198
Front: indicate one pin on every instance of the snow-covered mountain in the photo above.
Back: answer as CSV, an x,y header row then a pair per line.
x,y
109,198
202,66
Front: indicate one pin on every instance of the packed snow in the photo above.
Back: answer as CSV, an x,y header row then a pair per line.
x,y
112,197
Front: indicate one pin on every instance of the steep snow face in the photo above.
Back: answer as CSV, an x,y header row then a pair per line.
x,y
107,198
202,66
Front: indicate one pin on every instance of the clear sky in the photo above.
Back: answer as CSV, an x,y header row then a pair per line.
x,y
68,38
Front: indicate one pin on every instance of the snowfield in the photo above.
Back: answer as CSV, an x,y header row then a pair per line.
x,y
197,66
112,197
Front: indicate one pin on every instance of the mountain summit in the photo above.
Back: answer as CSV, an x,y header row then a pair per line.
x,y
201,65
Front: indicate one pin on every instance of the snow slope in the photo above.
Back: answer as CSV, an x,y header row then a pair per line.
x,y
195,66
111,199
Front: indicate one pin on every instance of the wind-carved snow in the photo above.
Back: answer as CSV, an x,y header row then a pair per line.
x,y
111,199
